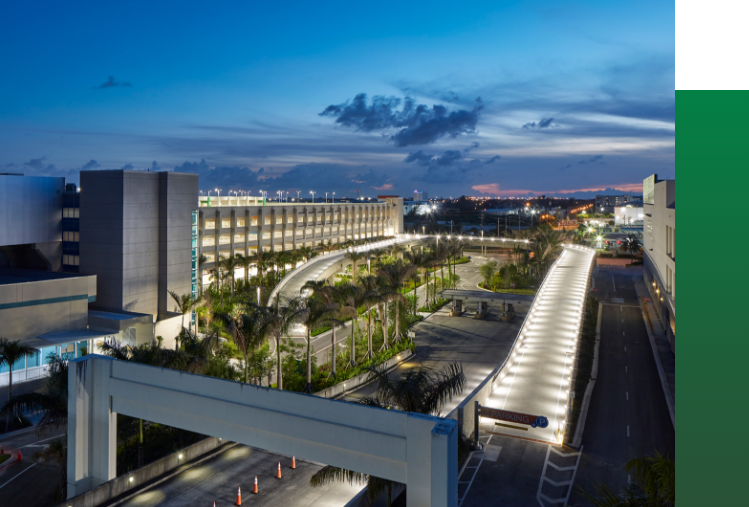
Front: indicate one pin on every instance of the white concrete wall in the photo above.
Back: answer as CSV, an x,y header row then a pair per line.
x,y
415,449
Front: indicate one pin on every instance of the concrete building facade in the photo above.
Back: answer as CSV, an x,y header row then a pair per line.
x,y
136,235
631,213
231,225
659,247
607,203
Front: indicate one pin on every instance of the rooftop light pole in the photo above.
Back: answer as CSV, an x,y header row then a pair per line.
x,y
313,195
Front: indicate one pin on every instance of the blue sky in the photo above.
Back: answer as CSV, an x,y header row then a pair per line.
x,y
479,98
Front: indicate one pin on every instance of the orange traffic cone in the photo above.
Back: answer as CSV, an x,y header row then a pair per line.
x,y
2,448
19,455
254,489
278,474
293,462
239,497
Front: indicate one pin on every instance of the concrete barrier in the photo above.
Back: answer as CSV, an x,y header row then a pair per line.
x,y
133,480
355,382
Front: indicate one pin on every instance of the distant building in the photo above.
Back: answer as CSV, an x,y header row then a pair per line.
x,y
659,248
420,195
502,211
607,203
629,214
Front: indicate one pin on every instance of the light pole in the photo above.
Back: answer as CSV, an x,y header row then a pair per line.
x,y
326,198
297,195
313,195
334,197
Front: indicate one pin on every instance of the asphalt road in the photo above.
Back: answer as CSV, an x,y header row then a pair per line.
x,y
628,415
217,480
30,482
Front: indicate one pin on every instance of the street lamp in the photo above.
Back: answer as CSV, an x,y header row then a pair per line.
x,y
313,195
326,198
334,197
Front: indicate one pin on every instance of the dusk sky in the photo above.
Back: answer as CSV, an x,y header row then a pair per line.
x,y
476,98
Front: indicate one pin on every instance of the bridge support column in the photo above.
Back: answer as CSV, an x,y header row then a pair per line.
x,y
92,426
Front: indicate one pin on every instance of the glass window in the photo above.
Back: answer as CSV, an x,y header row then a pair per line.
x,y
225,223
209,241
224,239
253,221
240,222
46,351
239,238
267,221
210,224
279,219
33,360
82,348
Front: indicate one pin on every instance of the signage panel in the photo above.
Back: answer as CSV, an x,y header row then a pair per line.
x,y
534,421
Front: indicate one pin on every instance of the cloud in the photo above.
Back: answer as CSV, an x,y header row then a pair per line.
x,y
544,123
36,163
565,167
492,160
386,186
91,164
419,157
473,146
111,83
417,123
450,157
487,188
591,160
155,166
127,167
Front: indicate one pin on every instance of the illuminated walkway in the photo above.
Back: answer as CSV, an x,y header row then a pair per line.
x,y
535,380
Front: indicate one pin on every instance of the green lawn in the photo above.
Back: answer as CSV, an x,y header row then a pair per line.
x,y
4,457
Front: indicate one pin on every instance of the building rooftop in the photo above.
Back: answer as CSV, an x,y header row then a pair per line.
x,y
9,276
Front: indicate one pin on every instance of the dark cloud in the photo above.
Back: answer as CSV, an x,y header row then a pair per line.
x,y
419,157
492,160
111,83
91,164
418,123
565,167
155,166
127,167
35,163
591,160
544,123
450,157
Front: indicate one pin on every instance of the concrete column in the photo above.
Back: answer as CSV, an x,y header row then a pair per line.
x,y
444,457
92,426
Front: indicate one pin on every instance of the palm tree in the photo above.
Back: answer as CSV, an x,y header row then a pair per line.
x,y
419,390
316,312
201,260
10,353
245,261
306,252
371,298
632,245
353,256
185,305
655,485
328,247
393,277
394,250
249,327
487,272
350,297
229,264
285,312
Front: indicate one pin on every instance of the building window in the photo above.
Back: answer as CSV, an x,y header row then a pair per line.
x,y
240,222
209,257
224,239
71,260
239,238
266,235
210,224
253,220
278,234
279,219
209,241
226,223
70,236
267,221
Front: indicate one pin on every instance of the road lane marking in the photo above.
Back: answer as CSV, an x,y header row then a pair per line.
x,y
625,348
50,438
613,282
625,370
628,430
1,487
627,395
623,334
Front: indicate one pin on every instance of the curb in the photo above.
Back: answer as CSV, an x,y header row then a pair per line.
x,y
577,440
12,461
658,364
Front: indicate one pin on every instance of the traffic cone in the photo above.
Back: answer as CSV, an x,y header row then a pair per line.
x,y
254,489
2,448
19,455
293,462
278,474
239,497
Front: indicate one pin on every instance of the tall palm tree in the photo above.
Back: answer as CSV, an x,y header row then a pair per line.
x,y
285,312
316,312
229,264
201,260
395,250
375,485
393,277
371,298
306,252
349,298
245,261
185,304
249,326
10,353
632,245
353,257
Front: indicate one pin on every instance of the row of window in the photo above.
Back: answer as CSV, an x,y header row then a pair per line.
x,y
71,260
70,236
225,239
71,212
210,223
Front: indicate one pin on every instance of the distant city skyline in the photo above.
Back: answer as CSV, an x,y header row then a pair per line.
x,y
498,100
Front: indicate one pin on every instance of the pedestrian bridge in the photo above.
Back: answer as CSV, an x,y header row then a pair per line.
x,y
415,449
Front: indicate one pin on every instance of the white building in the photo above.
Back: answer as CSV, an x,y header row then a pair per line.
x,y
420,195
659,247
631,213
